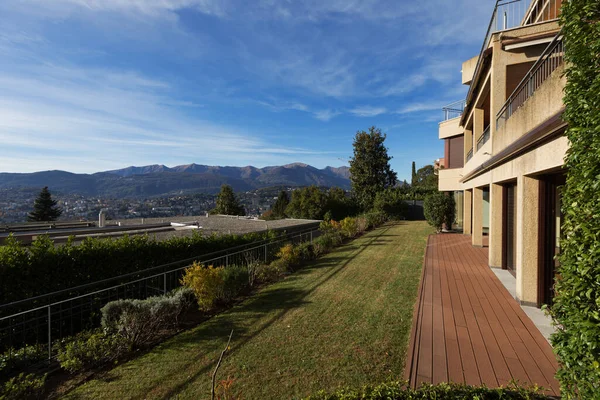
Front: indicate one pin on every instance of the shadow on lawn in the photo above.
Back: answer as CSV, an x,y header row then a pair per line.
x,y
242,319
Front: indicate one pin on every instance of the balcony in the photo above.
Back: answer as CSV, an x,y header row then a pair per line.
x,y
470,155
483,138
453,110
551,59
509,14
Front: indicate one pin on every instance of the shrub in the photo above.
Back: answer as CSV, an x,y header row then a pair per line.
x,y
305,251
141,321
268,273
235,282
23,386
206,282
348,227
375,219
576,306
90,349
361,224
439,209
443,391
288,255
14,360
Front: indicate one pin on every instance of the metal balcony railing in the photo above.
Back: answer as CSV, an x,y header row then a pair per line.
x,y
453,110
470,154
509,14
483,138
549,61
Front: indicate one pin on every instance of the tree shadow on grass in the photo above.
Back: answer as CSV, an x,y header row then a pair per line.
x,y
242,318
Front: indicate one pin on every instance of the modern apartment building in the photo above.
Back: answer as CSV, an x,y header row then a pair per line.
x,y
505,145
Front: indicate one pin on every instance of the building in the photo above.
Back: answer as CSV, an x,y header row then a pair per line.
x,y
505,145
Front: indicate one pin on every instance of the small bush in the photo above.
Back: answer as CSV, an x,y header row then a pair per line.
x,y
90,349
439,209
289,256
348,227
141,321
235,282
23,386
375,219
305,251
207,284
361,224
269,273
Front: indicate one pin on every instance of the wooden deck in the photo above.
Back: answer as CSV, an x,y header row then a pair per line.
x,y
467,328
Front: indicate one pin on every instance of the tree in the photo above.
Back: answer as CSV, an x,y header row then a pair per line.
x,y
44,208
414,174
370,171
227,202
391,203
425,178
280,205
307,203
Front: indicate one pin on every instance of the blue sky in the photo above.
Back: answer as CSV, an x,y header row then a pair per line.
x,y
92,85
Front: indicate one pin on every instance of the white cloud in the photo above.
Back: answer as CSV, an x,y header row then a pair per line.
x,y
368,111
418,107
326,115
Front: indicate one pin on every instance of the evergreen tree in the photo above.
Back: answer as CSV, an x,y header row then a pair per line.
x,y
227,202
426,179
280,205
414,174
44,208
370,171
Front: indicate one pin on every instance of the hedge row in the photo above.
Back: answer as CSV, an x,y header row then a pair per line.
x,y
444,391
576,306
44,268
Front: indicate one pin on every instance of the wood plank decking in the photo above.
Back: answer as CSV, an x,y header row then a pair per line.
x,y
467,328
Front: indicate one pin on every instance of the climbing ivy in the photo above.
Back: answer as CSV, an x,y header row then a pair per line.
x,y
577,303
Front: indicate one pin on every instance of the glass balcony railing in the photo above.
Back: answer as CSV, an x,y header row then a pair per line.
x,y
470,154
453,110
483,138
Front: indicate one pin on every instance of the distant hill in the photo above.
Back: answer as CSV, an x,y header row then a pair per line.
x,y
156,180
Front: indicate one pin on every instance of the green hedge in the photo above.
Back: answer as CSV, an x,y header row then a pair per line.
x,y
444,391
44,268
576,306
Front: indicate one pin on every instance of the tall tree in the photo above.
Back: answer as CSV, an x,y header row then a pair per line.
x,y
426,179
370,171
280,204
44,208
227,202
414,174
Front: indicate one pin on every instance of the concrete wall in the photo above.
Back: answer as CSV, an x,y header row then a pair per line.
x,y
448,179
450,128
468,69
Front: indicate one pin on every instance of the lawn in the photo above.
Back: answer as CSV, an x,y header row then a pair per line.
x,y
344,320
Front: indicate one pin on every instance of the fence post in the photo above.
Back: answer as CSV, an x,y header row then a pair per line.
x,y
165,283
49,334
226,260
266,252
311,236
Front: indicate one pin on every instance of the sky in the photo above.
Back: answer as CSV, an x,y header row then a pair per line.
x,y
94,85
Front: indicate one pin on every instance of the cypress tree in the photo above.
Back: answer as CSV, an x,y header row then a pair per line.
x,y
413,180
44,208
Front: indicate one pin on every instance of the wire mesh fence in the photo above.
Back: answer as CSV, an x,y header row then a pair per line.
x,y
40,327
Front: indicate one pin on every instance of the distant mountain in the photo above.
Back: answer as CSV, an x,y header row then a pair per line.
x,y
156,180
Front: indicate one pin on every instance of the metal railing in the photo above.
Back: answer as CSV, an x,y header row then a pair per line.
x,y
509,14
483,138
470,154
549,61
453,110
43,325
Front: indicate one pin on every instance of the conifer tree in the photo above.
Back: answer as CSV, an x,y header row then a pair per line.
x,y
227,202
44,208
281,204
370,171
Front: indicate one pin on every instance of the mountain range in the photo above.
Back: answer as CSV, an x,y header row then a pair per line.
x,y
157,180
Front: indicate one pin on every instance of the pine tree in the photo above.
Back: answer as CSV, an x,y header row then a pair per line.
x,y
280,205
44,208
370,171
227,203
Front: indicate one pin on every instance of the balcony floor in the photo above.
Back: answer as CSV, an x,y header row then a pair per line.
x,y
467,328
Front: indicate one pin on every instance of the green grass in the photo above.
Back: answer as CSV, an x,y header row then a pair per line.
x,y
342,321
